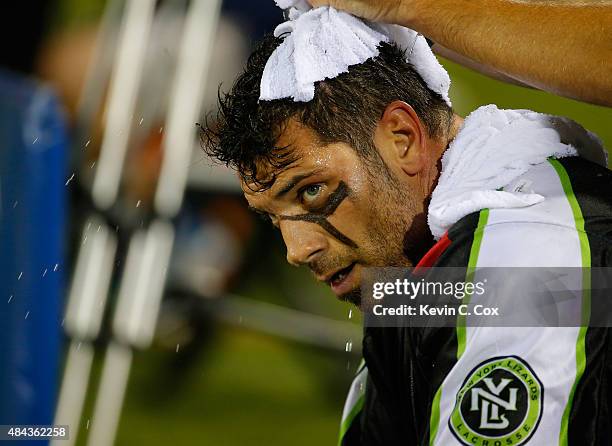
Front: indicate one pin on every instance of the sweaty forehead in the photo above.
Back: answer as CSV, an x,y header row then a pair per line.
x,y
303,146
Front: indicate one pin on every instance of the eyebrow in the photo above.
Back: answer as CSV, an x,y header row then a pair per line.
x,y
294,181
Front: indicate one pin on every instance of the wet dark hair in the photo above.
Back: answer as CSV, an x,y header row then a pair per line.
x,y
244,133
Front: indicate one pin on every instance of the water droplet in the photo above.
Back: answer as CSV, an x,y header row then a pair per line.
x,y
92,165
45,272
27,314
79,346
69,179
177,347
10,299
161,129
87,425
35,140
63,321
20,274
87,143
56,267
138,203
349,346
84,239
15,204
351,313
141,119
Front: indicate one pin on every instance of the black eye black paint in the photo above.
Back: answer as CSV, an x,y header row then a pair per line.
x,y
320,215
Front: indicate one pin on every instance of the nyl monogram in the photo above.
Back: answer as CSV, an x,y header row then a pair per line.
x,y
490,402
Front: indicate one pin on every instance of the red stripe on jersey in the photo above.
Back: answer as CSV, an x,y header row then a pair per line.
x,y
431,256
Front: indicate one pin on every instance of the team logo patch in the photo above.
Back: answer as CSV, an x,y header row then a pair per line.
x,y
499,404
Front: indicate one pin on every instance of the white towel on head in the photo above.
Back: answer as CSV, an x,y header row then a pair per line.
x,y
495,147
300,5
323,43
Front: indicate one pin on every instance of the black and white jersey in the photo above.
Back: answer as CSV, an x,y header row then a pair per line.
x,y
494,386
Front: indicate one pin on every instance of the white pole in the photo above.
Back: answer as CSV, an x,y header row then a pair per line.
x,y
143,280
124,84
186,104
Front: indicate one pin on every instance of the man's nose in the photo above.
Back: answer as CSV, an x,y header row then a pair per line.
x,y
303,241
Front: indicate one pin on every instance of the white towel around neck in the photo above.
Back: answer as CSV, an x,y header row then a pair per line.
x,y
493,148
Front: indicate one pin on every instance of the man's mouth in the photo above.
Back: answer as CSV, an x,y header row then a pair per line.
x,y
341,281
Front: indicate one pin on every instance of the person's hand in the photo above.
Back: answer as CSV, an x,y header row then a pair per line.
x,y
387,11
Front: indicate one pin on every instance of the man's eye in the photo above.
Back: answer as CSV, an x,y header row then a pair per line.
x,y
311,193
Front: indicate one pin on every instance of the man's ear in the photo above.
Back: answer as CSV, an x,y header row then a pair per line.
x,y
400,134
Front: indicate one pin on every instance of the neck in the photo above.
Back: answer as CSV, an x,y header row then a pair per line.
x,y
444,141
438,148
453,130
418,239
456,124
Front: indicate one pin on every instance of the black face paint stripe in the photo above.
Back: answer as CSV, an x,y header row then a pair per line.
x,y
339,235
337,197
320,216
321,220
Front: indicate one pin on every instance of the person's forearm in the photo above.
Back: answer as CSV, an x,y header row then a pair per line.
x,y
556,46
469,63
561,46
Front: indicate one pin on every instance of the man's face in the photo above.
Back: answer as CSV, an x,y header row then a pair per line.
x,y
338,213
